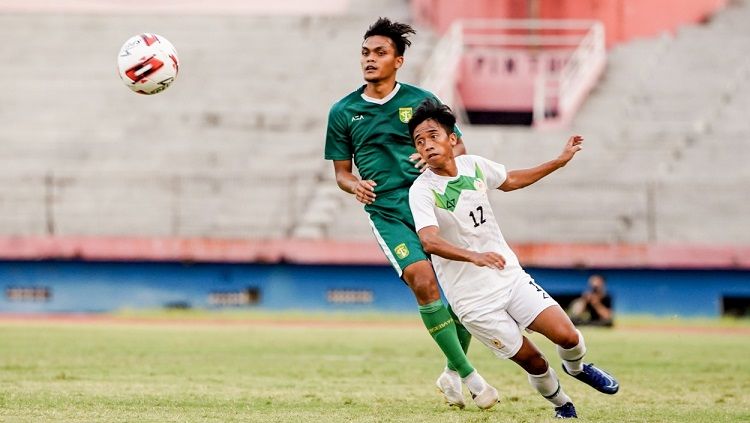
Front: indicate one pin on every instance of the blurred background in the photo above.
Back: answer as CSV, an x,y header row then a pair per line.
x,y
214,194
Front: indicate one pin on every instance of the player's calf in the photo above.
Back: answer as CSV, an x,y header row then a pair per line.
x,y
572,357
548,386
543,378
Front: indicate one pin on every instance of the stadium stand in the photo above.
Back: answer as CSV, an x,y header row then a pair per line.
x,y
233,149
663,161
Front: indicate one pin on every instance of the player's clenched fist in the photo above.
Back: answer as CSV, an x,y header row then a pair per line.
x,y
493,260
364,191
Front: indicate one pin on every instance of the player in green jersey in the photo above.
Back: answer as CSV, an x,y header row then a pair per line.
x,y
370,127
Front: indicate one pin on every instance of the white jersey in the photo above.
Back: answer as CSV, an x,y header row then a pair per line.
x,y
459,206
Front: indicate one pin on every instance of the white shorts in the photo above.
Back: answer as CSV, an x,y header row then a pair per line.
x,y
500,329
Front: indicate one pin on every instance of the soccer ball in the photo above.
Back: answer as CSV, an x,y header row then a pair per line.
x,y
148,63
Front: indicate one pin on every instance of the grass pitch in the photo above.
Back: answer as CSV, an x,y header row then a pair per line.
x,y
276,368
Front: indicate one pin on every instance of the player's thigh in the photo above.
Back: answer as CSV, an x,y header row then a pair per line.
x,y
554,324
527,301
397,239
497,330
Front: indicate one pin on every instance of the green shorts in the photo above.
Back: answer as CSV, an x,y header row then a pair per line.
x,y
393,227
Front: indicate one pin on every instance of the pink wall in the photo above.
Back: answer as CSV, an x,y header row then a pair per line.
x,y
509,73
440,13
353,252
627,19
484,85
482,73
623,19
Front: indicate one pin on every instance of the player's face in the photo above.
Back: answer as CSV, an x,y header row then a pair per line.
x,y
434,144
379,59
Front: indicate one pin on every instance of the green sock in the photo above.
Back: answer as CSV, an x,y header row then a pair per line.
x,y
440,324
464,337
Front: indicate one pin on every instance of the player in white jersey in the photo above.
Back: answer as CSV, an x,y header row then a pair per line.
x,y
493,297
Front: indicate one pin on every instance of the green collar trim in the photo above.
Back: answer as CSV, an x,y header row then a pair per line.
x,y
449,199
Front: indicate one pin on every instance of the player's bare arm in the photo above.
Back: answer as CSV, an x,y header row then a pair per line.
x,y
458,150
363,190
524,177
433,243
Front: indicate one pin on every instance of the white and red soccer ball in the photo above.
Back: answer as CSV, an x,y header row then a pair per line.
x,y
148,63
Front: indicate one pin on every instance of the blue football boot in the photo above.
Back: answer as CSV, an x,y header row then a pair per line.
x,y
566,411
596,378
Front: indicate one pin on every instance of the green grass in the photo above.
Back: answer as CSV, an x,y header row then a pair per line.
x,y
368,370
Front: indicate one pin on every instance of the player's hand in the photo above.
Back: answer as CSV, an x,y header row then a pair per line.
x,y
419,163
493,260
364,191
574,145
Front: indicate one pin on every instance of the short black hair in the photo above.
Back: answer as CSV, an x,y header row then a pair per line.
x,y
433,109
396,31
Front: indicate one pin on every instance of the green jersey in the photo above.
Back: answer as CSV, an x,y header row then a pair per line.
x,y
376,134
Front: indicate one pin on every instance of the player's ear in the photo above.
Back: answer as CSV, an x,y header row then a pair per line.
x,y
399,61
453,138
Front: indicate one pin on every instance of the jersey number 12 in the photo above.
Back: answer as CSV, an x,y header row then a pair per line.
x,y
480,212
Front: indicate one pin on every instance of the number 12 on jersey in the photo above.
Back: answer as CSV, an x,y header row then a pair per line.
x,y
480,213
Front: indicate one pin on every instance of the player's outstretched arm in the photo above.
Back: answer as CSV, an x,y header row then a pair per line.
x,y
433,243
521,178
363,190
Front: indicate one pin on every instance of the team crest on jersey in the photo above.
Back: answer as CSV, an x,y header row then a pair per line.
x,y
401,250
404,114
497,343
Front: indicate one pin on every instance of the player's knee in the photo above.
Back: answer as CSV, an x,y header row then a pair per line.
x,y
425,289
530,359
535,364
423,283
568,338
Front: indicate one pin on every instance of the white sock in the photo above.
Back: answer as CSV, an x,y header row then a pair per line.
x,y
475,382
454,377
452,373
548,385
572,357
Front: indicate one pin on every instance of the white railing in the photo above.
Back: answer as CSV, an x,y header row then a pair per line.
x,y
442,68
578,45
582,70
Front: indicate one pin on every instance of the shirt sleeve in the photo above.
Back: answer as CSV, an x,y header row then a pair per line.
x,y
422,205
494,173
338,141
